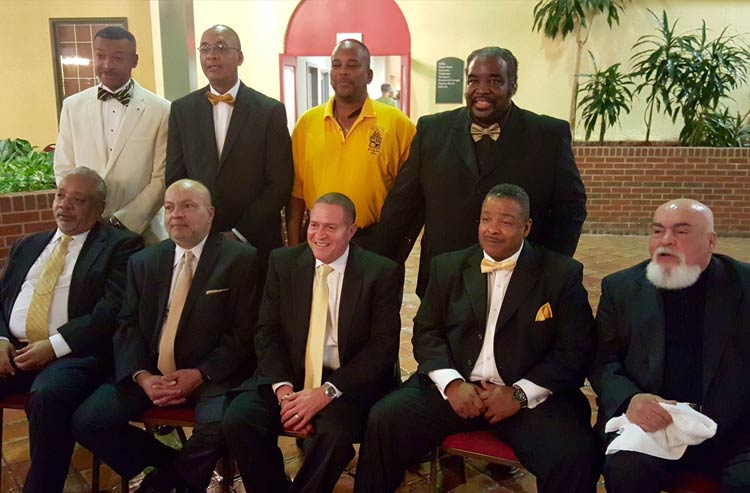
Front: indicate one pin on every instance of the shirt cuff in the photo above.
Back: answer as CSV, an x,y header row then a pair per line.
x,y
275,386
239,235
534,393
59,346
338,392
443,377
135,375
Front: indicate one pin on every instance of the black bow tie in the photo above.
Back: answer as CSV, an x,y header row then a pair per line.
x,y
123,96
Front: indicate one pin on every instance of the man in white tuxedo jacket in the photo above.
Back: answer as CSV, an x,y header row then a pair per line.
x,y
118,129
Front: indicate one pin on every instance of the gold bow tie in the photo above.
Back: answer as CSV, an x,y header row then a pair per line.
x,y
490,266
477,132
224,98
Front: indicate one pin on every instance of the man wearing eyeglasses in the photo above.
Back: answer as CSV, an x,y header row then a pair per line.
x,y
235,141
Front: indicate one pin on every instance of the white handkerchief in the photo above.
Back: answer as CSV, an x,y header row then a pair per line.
x,y
688,427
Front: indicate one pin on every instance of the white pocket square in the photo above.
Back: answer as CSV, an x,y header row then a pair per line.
x,y
216,291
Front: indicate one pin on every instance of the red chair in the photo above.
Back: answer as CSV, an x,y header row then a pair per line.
x,y
181,417
484,446
18,402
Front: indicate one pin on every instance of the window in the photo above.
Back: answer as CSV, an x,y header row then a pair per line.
x,y
72,53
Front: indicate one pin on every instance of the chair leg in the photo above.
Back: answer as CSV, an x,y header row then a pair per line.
x,y
95,465
432,488
226,469
125,485
181,434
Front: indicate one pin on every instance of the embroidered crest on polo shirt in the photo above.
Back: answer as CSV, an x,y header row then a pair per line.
x,y
376,140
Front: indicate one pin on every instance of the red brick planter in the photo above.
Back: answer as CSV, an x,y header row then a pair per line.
x,y
625,183
24,213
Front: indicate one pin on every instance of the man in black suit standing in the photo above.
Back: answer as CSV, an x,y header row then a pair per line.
x,y
458,156
185,336
235,141
677,328
503,339
327,347
61,291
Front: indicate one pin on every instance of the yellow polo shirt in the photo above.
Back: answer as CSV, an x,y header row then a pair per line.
x,y
363,165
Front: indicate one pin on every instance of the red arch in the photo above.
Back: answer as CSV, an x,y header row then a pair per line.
x,y
313,26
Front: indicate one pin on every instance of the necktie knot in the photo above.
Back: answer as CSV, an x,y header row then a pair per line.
x,y
477,132
492,266
224,98
322,271
123,95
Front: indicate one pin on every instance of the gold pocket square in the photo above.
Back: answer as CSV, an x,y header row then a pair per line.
x,y
544,313
217,291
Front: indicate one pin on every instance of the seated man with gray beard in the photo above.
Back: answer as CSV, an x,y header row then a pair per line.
x,y
676,328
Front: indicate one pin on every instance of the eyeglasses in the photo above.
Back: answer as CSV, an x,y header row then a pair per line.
x,y
219,49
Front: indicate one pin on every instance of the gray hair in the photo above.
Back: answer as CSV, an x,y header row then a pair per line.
x,y
514,193
336,198
100,193
503,54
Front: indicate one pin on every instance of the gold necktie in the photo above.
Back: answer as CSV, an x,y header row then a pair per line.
x,y
166,363
224,98
37,319
477,132
316,335
490,266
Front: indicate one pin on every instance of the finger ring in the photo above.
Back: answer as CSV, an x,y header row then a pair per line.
x,y
297,416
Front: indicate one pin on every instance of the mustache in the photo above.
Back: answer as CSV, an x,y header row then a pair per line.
x,y
668,251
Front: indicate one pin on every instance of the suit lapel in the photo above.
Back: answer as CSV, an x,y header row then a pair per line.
x,y
23,263
720,310
302,283
209,256
648,324
350,292
92,248
476,285
133,113
165,266
511,134
94,110
462,143
205,121
525,276
240,113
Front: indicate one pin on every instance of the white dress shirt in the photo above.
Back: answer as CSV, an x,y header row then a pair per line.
x,y
485,367
112,115
222,116
331,348
58,313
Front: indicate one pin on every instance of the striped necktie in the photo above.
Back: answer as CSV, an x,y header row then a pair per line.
x,y
37,319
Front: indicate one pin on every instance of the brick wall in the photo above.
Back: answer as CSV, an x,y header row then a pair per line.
x,y
626,183
21,214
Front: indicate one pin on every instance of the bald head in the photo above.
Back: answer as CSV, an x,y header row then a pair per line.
x,y
188,212
698,210
363,53
227,33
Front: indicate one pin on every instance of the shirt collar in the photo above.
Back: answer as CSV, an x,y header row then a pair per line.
x,y
77,239
197,250
233,91
367,110
116,90
339,265
513,257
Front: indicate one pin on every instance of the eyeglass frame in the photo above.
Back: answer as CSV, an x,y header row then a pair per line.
x,y
220,49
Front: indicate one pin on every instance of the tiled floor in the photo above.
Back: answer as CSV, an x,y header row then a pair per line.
x,y
600,255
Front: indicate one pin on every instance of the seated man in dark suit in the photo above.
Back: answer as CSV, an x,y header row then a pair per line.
x,y
503,339
60,293
677,328
327,346
185,336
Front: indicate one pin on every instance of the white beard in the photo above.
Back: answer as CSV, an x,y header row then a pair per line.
x,y
678,277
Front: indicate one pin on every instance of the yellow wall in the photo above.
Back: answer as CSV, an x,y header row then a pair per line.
x,y
27,83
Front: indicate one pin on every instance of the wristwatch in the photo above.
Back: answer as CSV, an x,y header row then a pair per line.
x,y
113,221
330,391
520,396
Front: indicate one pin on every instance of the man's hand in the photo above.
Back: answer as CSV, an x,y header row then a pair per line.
x,y
7,354
644,410
283,393
301,407
160,391
464,399
499,401
35,356
185,380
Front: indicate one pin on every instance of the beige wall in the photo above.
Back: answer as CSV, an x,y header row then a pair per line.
x,y
27,84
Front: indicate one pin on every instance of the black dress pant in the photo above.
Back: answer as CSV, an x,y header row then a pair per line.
x,y
101,425
54,394
252,425
554,441
626,471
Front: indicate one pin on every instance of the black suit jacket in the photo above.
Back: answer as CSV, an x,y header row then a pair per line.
x,y
96,286
215,331
252,179
440,185
450,324
630,355
369,321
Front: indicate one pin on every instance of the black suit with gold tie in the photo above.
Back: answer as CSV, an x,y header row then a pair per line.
x,y
368,335
550,348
